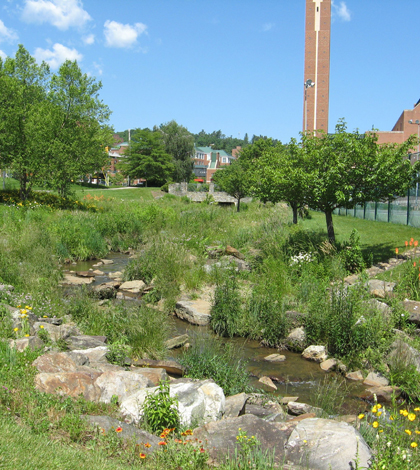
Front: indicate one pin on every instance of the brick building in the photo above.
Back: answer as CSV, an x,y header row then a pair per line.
x,y
207,161
317,65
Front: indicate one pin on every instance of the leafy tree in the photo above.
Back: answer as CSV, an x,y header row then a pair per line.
x,y
179,143
235,180
146,158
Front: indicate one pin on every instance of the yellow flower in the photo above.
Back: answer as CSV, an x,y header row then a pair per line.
x,y
45,316
374,409
41,326
381,430
378,413
379,406
411,416
361,416
407,431
413,445
16,329
375,424
405,413
26,336
417,409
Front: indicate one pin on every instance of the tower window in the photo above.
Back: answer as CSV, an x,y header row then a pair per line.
x,y
317,8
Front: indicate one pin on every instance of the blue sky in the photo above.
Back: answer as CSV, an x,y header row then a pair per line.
x,y
233,65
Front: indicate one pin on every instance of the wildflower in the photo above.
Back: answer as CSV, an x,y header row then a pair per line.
x,y
378,413
142,456
379,406
162,443
375,409
396,251
361,416
417,432
16,329
163,435
414,264
147,445
414,445
411,416
45,316
407,431
119,429
417,409
188,432
416,243
375,424
26,336
41,326
202,450
406,243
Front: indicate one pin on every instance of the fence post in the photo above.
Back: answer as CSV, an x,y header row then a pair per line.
x,y
376,210
389,211
364,211
354,214
408,206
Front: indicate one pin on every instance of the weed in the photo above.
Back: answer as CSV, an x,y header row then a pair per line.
x,y
160,410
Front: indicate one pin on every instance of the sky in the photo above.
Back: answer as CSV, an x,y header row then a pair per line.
x,y
229,65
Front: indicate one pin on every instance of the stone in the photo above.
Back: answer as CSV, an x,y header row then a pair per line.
x,y
55,362
378,305
126,296
71,280
296,408
78,358
275,358
148,443
171,366
196,312
235,405
352,279
106,290
315,353
71,384
97,272
201,401
413,309
6,287
373,271
268,410
234,252
355,375
120,384
268,382
97,354
84,342
53,321
56,332
176,342
375,379
286,400
31,342
115,275
380,289
296,318
324,444
383,394
84,274
329,365
221,436
107,261
133,287
153,375
403,355
296,339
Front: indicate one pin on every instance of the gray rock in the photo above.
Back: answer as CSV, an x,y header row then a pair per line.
x,y
296,339
133,287
120,384
268,382
235,405
171,366
97,354
384,394
31,342
196,312
413,309
55,362
71,280
295,408
378,305
402,355
84,342
267,409
106,290
56,332
380,289
315,353
176,342
375,379
356,375
324,444
71,384
275,358
154,375
105,262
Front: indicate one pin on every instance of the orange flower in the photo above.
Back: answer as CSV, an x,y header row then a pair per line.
x,y
163,435
147,445
188,432
162,443
406,243
411,242
142,456
202,450
396,251
119,429
178,441
416,243
414,264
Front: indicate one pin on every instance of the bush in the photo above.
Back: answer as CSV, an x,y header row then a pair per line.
x,y
160,410
351,253
226,310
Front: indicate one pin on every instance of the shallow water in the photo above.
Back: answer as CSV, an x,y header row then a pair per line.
x,y
293,377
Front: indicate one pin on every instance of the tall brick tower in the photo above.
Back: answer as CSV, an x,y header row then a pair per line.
x,y
317,65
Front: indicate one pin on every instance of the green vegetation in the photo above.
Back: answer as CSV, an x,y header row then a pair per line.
x,y
160,410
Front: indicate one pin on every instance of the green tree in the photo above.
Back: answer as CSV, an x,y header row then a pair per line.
x,y
146,158
179,143
235,180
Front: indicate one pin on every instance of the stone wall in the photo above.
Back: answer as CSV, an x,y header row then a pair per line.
x,y
181,189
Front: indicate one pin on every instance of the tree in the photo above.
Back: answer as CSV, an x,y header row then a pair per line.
x,y
234,179
347,168
179,143
146,158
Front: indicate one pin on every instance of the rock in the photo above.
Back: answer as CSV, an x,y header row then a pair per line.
x,y
133,287
402,355
329,365
375,379
380,289
198,402
235,405
84,274
413,308
268,382
296,408
233,252
381,306
31,342
221,436
106,262
324,444
373,271
356,375
120,384
296,419
55,362
296,318
275,358
153,375
315,353
106,290
268,410
171,366
84,342
381,394
286,400
176,342
296,339
53,321
97,354
109,425
6,287
126,296
56,332
196,312
97,272
71,280
71,384
352,279
115,275
78,358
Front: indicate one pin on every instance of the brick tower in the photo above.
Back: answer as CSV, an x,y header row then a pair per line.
x,y
317,65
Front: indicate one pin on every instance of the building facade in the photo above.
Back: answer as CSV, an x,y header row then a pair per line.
x,y
207,161
317,65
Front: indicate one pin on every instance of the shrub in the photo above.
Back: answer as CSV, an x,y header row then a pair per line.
x,y
351,253
226,310
160,410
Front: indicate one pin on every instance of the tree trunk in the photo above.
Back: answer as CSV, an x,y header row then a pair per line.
x,y
330,226
23,187
295,212
238,205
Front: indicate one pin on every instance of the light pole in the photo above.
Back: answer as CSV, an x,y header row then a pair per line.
x,y
308,84
417,122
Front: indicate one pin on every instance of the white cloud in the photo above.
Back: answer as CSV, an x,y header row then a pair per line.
x,y
3,55
57,55
267,26
122,35
341,11
7,34
98,68
61,13
89,39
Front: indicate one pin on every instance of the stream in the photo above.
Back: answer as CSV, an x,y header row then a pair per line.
x,y
294,377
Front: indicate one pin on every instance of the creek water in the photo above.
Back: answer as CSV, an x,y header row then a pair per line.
x,y
295,376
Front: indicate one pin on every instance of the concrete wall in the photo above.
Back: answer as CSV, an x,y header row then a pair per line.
x,y
181,189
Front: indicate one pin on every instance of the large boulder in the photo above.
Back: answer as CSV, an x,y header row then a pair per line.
x,y
403,355
56,332
324,444
413,309
315,353
196,312
120,384
133,287
55,362
296,339
198,402
85,342
70,384
235,405
29,342
171,366
381,289
97,354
